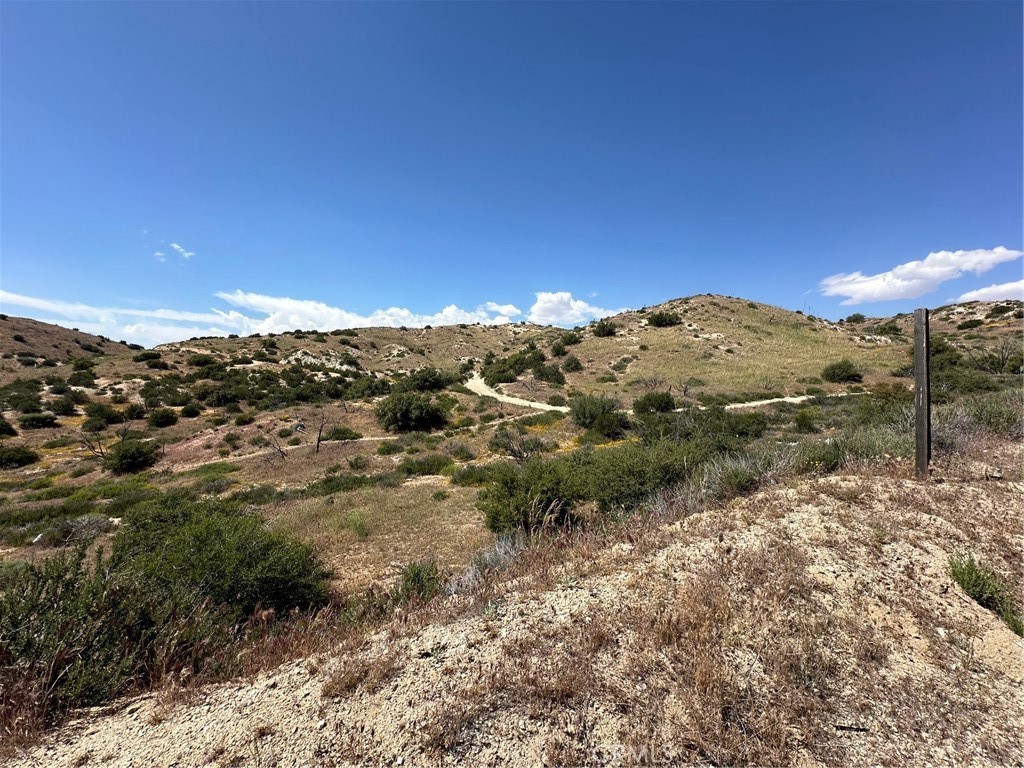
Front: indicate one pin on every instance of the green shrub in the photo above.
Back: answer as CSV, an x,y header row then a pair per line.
x,y
341,432
548,373
37,421
472,474
12,457
243,419
162,417
419,581
130,456
210,550
967,325
431,464
654,402
806,420
191,410
461,452
427,379
572,364
603,328
557,399
598,413
389,448
409,411
987,589
6,428
536,494
842,371
856,317
663,319
83,378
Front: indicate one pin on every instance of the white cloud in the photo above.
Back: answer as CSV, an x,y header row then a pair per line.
x,y
511,310
160,256
261,314
1013,290
560,308
914,278
182,252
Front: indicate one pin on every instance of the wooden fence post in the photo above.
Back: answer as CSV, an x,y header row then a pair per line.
x,y
922,395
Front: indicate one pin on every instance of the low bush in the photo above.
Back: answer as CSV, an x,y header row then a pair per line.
x,y
341,432
598,413
988,589
572,364
663,319
37,421
162,417
130,456
604,328
654,402
182,577
841,372
14,456
431,464
408,412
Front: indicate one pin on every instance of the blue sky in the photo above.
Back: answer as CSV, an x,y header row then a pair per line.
x,y
177,169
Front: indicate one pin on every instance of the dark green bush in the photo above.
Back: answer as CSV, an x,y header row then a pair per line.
x,y
427,379
408,412
549,373
37,421
6,428
967,325
842,371
195,551
654,402
431,464
663,319
341,432
84,378
604,328
856,317
12,457
130,456
162,417
598,413
572,364
191,410
806,420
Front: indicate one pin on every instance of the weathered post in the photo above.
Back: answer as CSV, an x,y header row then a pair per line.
x,y
922,395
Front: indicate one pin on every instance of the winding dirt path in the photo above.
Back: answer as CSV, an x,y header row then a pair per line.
x,y
480,387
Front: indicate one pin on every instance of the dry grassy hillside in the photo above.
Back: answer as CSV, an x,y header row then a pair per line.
x,y
815,624
416,539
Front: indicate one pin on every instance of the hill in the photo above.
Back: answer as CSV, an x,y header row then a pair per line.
x,y
815,623
209,483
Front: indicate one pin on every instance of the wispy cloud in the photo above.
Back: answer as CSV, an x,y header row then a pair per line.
x,y
1014,290
915,278
159,256
185,254
251,313
560,308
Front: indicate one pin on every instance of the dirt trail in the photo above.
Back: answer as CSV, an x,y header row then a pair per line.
x,y
480,387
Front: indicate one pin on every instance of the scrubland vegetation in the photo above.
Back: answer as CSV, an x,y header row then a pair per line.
x,y
153,575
